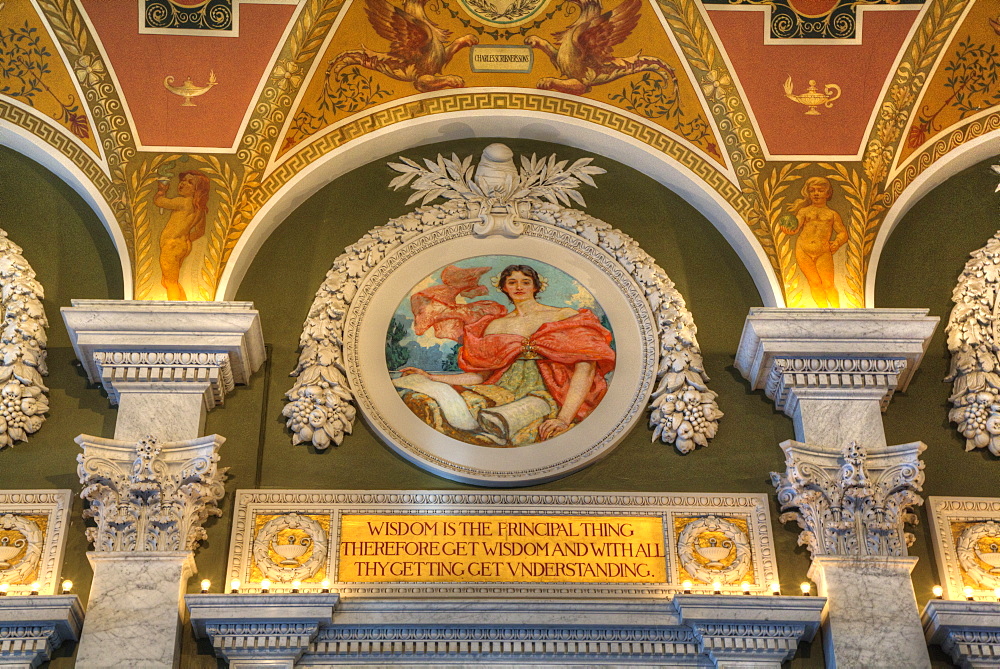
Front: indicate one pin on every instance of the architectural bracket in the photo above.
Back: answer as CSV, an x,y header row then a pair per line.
x,y
32,627
968,631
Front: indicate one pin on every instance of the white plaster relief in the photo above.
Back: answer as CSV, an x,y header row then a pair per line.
x,y
501,200
290,549
23,399
853,505
714,551
148,496
973,341
29,553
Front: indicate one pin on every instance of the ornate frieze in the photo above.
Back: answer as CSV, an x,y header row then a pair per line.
x,y
23,400
860,375
32,538
148,497
852,505
966,535
973,341
589,540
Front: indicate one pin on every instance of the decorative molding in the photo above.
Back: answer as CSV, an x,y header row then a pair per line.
x,y
23,399
498,199
966,536
844,353
712,565
149,497
288,568
32,627
255,508
968,631
34,523
261,628
136,346
854,505
973,340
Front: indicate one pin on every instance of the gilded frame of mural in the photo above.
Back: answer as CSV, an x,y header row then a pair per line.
x,y
966,535
33,527
289,535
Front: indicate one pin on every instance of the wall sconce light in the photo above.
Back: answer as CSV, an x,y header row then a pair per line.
x,y
234,586
67,586
4,587
717,588
686,586
34,588
205,585
326,585
296,584
938,591
968,593
806,588
775,589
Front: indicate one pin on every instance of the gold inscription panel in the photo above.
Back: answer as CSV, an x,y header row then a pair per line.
x,y
481,548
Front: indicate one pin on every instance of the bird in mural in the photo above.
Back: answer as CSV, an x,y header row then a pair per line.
x,y
583,52
417,47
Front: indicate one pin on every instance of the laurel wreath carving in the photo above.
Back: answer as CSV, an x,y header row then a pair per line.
x,y
683,410
516,10
23,400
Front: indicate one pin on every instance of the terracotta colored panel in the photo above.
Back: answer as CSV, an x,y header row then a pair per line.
x,y
142,62
859,69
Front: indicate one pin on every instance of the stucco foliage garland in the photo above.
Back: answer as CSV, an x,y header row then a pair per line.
x,y
683,411
23,400
973,342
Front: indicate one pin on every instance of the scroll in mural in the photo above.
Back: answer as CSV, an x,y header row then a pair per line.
x,y
521,375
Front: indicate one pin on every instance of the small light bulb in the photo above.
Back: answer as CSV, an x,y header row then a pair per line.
x,y
34,588
296,584
686,585
67,586
234,586
326,585
4,587
938,591
746,587
996,593
265,586
968,592
205,585
717,587
775,589
806,588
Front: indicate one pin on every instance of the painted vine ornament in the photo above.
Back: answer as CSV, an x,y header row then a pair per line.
x,y
973,341
523,206
23,400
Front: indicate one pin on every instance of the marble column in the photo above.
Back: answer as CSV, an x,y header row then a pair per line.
x,y
834,372
152,487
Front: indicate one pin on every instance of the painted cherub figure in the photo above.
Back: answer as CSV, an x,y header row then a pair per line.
x,y
821,233
185,225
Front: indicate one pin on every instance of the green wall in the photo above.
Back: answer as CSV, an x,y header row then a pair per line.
x,y
74,258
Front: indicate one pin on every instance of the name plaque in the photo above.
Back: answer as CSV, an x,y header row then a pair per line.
x,y
437,543
497,549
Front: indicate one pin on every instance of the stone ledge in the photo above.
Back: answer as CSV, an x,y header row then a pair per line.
x,y
968,631
31,627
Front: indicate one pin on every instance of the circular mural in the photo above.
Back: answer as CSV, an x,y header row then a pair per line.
x,y
500,351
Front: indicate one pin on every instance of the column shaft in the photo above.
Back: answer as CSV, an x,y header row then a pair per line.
x,y
133,615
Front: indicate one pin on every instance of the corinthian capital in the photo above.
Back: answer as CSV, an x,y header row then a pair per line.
x,y
854,504
148,496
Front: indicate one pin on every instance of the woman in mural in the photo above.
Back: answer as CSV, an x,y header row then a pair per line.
x,y
528,374
814,250
185,225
